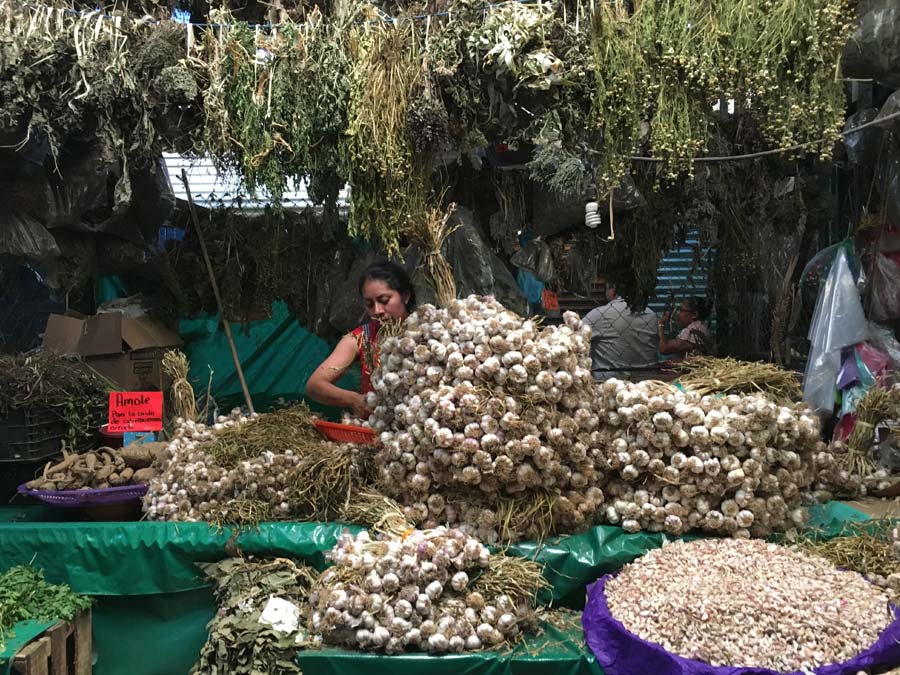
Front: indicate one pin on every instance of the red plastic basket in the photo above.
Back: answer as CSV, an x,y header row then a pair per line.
x,y
346,433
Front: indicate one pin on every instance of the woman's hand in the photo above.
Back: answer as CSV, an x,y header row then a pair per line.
x,y
360,409
664,319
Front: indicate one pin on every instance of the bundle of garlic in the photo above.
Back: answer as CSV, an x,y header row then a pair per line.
x,y
849,478
756,605
424,591
678,461
225,474
473,398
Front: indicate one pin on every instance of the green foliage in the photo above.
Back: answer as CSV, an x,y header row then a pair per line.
x,y
26,596
238,643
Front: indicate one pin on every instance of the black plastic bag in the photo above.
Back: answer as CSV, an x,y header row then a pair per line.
x,y
536,257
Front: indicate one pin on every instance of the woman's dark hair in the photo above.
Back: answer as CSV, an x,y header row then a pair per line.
x,y
698,305
394,276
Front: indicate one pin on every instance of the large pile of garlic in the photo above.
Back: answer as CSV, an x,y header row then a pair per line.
x,y
754,605
192,486
677,461
474,398
411,593
474,404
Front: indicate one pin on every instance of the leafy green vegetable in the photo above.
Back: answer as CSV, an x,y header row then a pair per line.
x,y
25,595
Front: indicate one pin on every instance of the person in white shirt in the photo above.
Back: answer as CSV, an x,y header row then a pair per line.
x,y
623,337
694,338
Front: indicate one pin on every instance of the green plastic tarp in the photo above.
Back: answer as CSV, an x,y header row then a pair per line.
x,y
144,558
152,603
560,651
277,356
19,636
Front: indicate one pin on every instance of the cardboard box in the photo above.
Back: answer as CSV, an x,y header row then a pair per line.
x,y
128,351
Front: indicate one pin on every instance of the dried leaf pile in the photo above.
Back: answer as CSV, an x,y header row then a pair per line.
x,y
238,642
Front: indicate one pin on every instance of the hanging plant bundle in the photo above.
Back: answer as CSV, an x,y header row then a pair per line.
x,y
430,234
386,181
251,85
69,77
618,100
428,121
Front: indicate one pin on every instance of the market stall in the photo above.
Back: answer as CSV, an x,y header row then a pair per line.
x,y
145,582
208,203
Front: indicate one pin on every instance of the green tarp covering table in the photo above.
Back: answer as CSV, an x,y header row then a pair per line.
x,y
153,603
556,651
20,635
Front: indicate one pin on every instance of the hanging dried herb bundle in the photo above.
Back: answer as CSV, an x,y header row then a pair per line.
x,y
70,77
321,118
385,177
620,73
252,84
786,56
430,234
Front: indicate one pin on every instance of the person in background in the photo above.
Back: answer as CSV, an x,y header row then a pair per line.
x,y
387,293
623,337
693,339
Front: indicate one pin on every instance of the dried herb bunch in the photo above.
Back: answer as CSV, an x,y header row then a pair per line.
x,y
68,388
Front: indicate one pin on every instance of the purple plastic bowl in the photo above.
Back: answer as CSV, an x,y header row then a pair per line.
x,y
70,499
621,652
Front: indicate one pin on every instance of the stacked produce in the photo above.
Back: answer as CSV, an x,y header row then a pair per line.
x,y
434,590
678,461
869,547
101,468
473,401
491,423
245,469
726,617
856,471
239,642
26,596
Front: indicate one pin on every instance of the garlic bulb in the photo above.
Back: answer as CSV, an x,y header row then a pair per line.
x,y
430,606
514,423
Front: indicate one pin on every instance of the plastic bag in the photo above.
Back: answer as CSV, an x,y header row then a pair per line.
x,y
885,289
536,257
21,236
476,268
883,338
838,322
873,51
862,147
531,286
818,268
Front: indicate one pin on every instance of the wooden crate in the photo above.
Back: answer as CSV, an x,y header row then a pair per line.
x,y
62,649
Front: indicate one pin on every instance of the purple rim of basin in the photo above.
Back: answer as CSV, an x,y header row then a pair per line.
x,y
621,652
81,498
